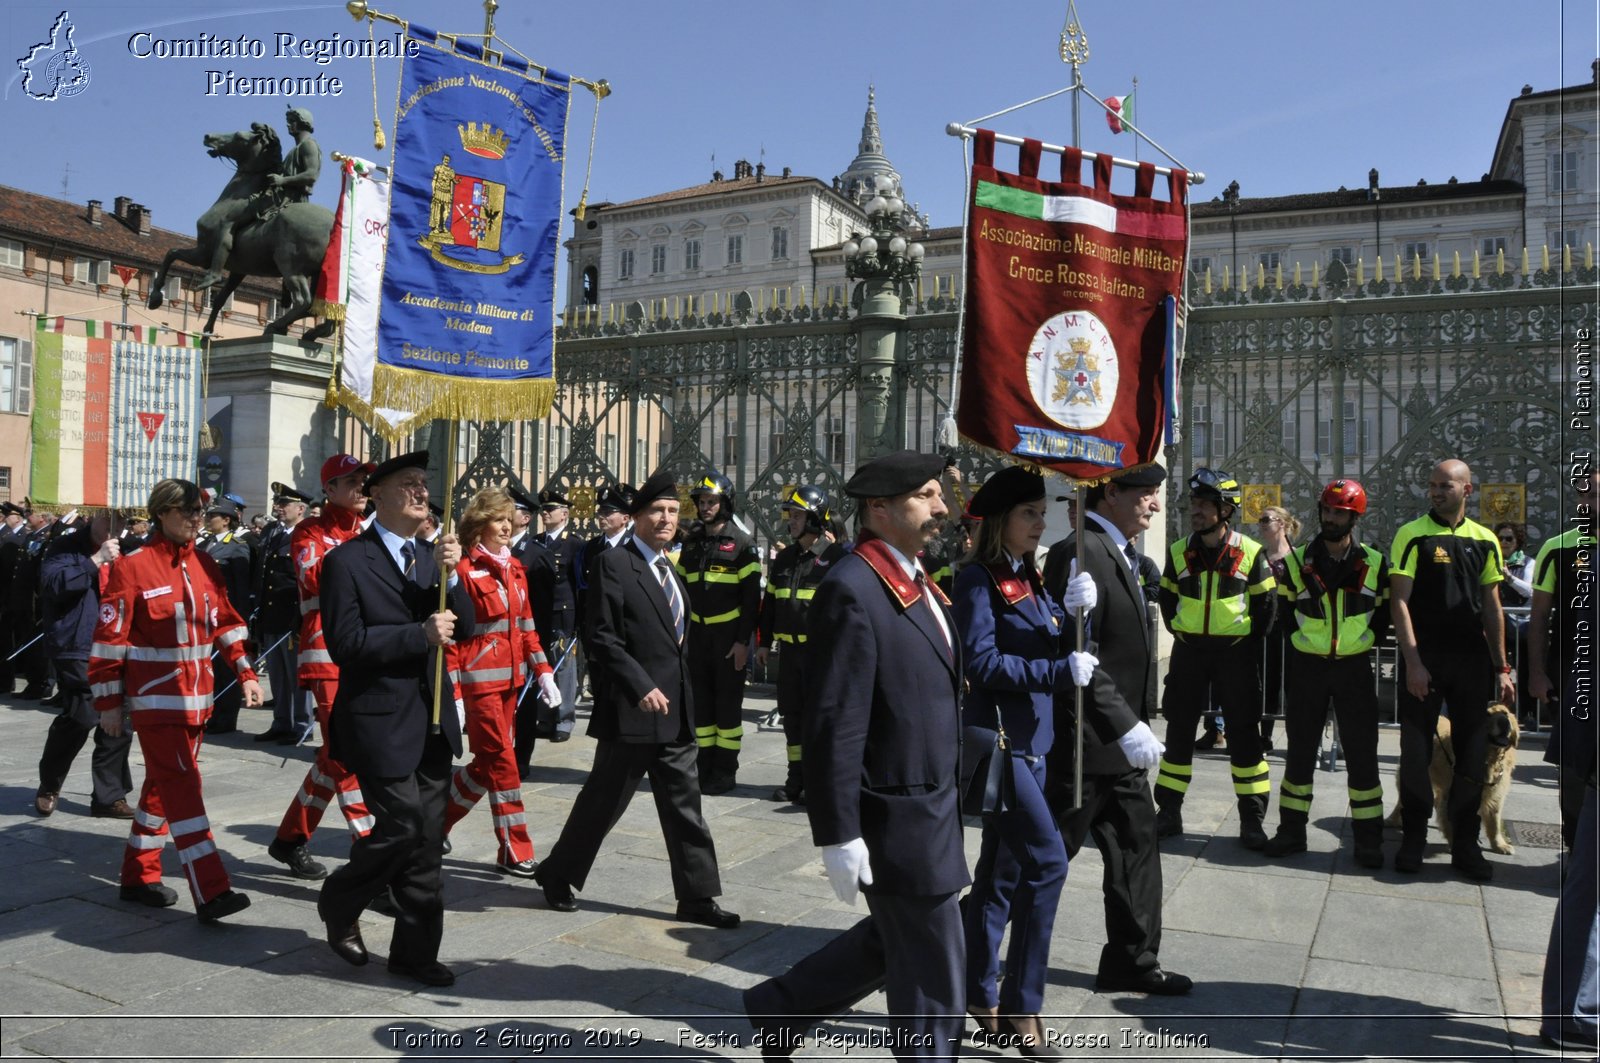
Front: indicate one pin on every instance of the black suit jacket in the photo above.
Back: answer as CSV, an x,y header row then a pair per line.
x,y
633,643
882,731
1123,691
372,620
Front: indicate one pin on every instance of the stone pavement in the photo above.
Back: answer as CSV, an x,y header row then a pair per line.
x,y
1306,958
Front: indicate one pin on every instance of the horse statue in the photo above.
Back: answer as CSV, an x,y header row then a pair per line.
x,y
289,241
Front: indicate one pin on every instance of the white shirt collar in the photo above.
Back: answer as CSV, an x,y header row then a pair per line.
x,y
393,542
911,565
613,540
650,556
1112,530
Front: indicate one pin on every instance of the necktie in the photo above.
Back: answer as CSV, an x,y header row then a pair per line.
x,y
408,554
938,617
669,586
1133,557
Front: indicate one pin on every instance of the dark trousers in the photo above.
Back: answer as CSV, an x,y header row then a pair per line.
x,y
618,769
912,947
402,854
1347,682
69,731
718,697
1022,867
291,703
1463,680
1571,992
224,706
1204,673
791,705
1119,814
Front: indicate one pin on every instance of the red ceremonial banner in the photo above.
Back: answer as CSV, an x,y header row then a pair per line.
x,y
1071,313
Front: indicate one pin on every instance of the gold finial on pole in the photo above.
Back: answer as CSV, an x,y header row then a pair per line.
x,y
1074,42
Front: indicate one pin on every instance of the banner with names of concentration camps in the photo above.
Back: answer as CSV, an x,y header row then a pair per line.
x,y
110,419
466,325
1071,314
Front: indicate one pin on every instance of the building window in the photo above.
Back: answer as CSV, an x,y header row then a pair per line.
x,y
1346,255
591,286
1492,246
625,263
780,242
658,258
691,254
1560,238
1269,260
833,439
777,439
736,249
1290,437
730,450
5,480
16,376
1564,171
80,271
1200,430
1416,251
639,451
11,253
1357,433
613,453
1200,265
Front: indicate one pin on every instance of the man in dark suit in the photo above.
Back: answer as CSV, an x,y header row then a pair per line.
x,y
881,746
379,594
641,720
1119,749
553,593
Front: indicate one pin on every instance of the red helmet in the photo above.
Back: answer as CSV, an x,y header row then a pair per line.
x,y
1345,494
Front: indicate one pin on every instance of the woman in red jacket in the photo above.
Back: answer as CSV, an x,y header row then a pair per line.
x,y
489,667
162,613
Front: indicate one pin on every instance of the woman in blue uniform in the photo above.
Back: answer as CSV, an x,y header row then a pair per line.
x,y
1015,662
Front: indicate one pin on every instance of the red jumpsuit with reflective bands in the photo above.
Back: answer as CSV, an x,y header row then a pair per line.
x,y
161,613
489,668
310,543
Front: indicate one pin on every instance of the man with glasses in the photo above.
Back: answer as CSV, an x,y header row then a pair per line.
x,y
1445,572
395,722
1217,600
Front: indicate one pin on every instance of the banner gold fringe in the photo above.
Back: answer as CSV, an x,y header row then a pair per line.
x,y
437,397
339,395
330,311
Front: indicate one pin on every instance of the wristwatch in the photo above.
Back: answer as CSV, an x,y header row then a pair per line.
x,y
1507,670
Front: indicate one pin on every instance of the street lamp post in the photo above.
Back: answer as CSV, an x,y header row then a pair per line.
x,y
886,265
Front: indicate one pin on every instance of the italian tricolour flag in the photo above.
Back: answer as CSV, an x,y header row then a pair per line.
x,y
1119,112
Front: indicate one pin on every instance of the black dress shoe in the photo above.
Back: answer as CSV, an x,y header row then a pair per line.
x,y
293,738
347,944
557,894
434,974
1154,981
560,736
717,784
300,862
273,735
150,894
33,693
445,846
706,912
226,903
519,869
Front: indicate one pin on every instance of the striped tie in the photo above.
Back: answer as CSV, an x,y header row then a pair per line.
x,y
669,586
408,554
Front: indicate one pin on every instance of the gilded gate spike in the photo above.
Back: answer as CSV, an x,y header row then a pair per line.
x,y
1074,42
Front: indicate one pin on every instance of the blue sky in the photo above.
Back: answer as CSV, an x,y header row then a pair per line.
x,y
1283,98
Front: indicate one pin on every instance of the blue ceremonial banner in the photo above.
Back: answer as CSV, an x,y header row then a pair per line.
x,y
466,324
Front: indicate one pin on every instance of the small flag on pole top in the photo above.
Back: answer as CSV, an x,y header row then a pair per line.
x,y
1119,112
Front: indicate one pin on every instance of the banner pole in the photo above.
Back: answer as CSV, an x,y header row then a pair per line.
x,y
444,577
1077,691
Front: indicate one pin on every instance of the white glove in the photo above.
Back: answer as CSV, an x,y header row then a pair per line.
x,y
549,691
461,714
1080,594
847,868
1141,746
1081,665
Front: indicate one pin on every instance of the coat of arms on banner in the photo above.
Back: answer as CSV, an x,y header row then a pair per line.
x,y
467,210
1073,366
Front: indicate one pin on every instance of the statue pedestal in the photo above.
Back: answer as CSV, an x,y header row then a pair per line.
x,y
265,406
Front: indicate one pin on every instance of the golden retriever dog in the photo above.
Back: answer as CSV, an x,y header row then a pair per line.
x,y
1504,735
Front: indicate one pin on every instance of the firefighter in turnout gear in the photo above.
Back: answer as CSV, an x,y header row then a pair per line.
x,y
1336,597
719,564
791,584
343,478
1217,600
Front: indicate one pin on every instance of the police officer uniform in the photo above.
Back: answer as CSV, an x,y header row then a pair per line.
x,y
22,612
553,584
278,612
791,586
13,540
234,559
1336,610
1217,602
723,574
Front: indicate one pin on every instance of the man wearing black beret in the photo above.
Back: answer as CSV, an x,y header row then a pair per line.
x,y
1119,749
881,749
641,721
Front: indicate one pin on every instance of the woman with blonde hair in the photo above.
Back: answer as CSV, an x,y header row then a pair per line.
x,y
1279,529
489,664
